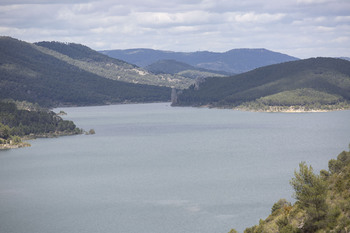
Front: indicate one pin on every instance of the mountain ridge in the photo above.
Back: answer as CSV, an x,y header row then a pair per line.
x,y
232,61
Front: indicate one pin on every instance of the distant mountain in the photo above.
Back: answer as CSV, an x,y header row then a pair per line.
x,y
233,61
40,75
182,69
105,66
314,83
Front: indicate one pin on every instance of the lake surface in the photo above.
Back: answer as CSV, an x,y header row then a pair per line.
x,y
156,169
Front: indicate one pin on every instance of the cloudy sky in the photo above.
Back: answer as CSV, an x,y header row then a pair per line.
x,y
301,28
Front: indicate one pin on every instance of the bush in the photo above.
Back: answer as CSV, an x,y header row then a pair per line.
x,y
279,204
16,140
334,166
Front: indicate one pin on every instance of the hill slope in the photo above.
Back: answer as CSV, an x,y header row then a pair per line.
x,y
27,73
182,69
233,61
311,83
104,66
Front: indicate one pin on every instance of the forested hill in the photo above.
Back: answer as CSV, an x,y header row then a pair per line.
x,y
233,61
313,83
28,73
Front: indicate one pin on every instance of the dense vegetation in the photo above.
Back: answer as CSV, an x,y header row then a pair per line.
x,y
26,73
323,202
314,83
19,120
233,61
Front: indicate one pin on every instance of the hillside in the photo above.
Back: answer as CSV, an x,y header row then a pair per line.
x,y
182,69
322,202
233,61
107,67
315,83
28,73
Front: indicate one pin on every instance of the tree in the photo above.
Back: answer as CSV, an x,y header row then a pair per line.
x,y
16,140
4,131
334,166
310,191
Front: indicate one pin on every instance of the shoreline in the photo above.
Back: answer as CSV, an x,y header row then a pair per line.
x,y
106,104
14,146
287,110
24,143
274,109
271,109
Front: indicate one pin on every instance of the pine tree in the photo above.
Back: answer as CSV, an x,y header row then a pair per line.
x,y
310,191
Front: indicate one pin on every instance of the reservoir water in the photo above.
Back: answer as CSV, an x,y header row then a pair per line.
x,y
153,168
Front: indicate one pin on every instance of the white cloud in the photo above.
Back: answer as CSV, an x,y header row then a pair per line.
x,y
150,19
345,19
342,39
252,17
313,1
325,29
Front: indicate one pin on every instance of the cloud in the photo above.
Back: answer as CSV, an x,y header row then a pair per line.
x,y
325,29
41,2
164,19
313,1
301,28
252,17
344,19
342,39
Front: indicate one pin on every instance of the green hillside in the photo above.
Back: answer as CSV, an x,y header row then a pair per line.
x,y
104,66
322,202
27,73
316,83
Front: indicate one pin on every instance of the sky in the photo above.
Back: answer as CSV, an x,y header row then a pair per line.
x,y
300,28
